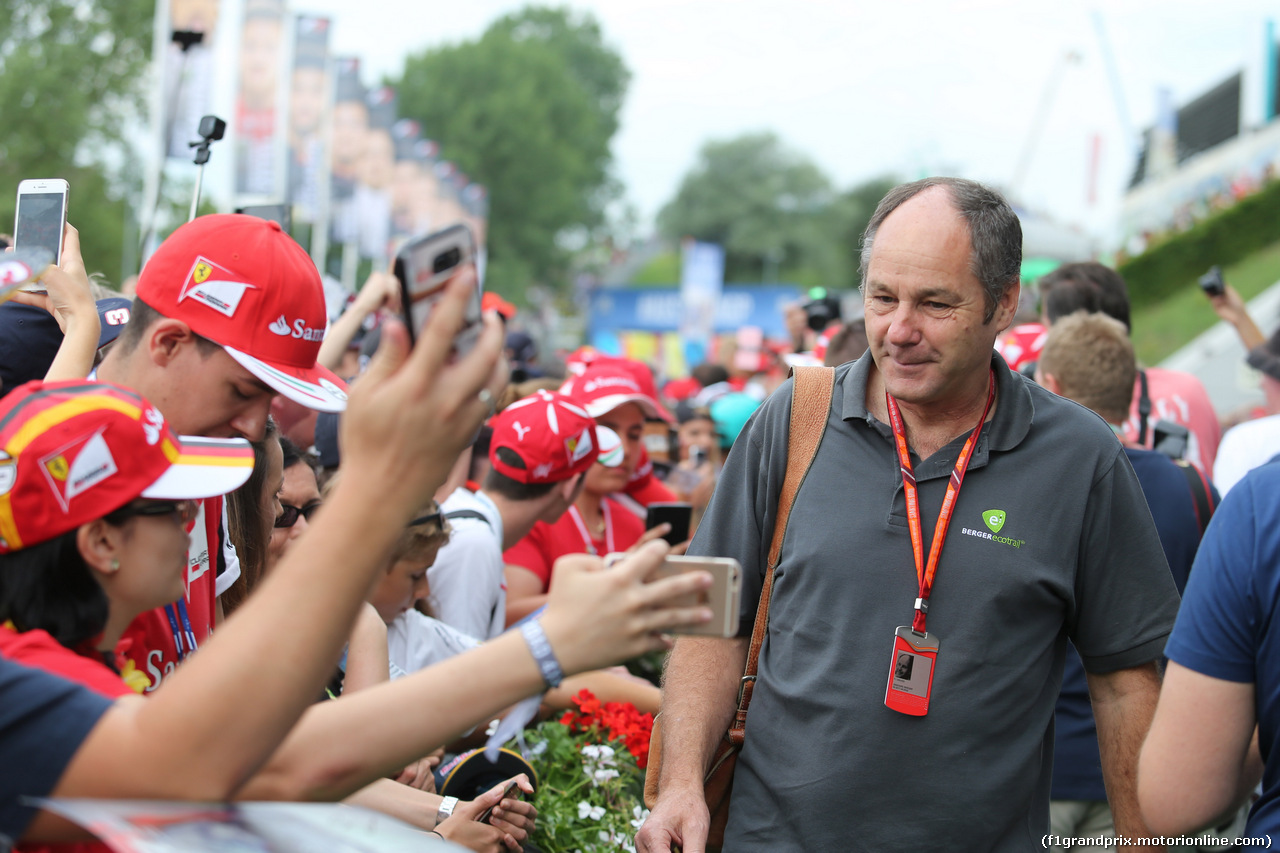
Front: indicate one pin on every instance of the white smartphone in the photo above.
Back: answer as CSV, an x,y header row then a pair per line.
x,y
724,596
41,218
423,265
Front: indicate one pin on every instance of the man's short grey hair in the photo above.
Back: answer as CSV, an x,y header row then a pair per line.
x,y
995,233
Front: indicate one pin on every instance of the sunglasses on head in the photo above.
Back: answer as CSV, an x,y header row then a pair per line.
x,y
288,516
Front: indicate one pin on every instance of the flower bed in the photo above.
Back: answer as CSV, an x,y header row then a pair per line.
x,y
590,765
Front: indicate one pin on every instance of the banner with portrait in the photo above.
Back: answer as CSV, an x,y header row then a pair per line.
x,y
260,98
308,125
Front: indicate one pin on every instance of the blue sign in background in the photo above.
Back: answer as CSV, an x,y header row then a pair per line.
x,y
658,309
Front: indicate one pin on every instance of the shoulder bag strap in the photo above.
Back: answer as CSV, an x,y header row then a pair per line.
x,y
810,410
1201,497
1144,408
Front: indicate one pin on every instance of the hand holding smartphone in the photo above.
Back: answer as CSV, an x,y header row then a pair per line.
x,y
41,219
423,266
724,596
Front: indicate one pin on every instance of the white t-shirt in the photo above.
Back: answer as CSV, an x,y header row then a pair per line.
x,y
468,590
416,642
1243,448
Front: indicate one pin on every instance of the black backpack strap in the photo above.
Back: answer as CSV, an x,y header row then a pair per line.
x,y
1201,495
1144,410
469,513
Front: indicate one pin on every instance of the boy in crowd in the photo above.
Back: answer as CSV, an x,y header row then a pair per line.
x,y
539,453
230,311
1089,358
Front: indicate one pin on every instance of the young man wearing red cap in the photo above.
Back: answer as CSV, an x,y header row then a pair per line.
x,y
230,311
540,451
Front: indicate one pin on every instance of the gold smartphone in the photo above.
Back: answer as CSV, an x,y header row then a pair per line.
x,y
723,597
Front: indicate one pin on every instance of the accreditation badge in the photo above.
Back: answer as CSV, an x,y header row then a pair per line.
x,y
911,671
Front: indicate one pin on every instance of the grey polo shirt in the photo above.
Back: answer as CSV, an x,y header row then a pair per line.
x,y
826,765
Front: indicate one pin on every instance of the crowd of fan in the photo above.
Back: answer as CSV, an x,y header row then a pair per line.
x,y
193,457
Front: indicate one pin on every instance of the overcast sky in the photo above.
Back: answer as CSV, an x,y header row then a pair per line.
x,y
867,88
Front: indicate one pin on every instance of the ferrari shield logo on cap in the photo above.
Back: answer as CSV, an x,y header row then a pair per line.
x,y
58,468
221,294
77,467
579,446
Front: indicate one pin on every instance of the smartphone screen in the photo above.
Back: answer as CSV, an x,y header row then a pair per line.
x,y
39,222
678,515
423,266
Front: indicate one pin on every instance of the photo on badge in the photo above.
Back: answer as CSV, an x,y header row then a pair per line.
x,y
911,674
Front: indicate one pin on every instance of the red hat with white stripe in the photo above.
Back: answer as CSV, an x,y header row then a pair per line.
x,y
246,285
72,452
610,382
552,438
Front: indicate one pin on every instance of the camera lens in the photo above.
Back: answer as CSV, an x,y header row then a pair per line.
x,y
446,260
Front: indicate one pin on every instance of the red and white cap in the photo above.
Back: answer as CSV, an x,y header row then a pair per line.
x,y
73,452
553,438
610,382
245,284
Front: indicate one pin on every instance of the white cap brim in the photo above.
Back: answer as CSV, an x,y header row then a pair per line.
x,y
317,388
204,468
604,405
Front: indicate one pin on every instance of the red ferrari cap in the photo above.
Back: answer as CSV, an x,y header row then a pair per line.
x,y
553,437
72,452
245,284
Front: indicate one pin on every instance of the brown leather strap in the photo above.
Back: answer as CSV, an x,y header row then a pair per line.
x,y
810,410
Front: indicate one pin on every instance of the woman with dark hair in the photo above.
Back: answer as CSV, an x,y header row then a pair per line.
x,y
252,510
93,517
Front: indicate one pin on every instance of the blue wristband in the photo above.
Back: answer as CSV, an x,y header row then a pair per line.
x,y
540,648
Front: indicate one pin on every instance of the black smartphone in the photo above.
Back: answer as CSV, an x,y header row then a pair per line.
x,y
511,792
1211,282
678,515
423,266
281,214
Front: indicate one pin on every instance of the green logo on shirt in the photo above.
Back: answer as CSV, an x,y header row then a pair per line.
x,y
994,519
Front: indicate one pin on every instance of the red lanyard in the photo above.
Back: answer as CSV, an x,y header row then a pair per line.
x,y
924,572
586,536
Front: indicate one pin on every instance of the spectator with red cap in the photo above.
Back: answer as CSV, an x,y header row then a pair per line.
x,y
230,311
97,491
539,453
611,391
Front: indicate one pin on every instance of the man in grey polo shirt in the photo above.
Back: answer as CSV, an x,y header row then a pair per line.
x,y
1049,538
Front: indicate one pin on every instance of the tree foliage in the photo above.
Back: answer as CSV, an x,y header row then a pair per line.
x,y
529,110
766,204
72,75
774,211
